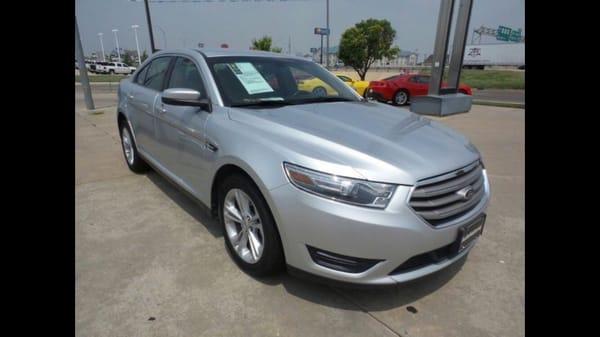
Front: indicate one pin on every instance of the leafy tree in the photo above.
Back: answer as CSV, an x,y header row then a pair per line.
x,y
127,59
368,41
264,43
144,56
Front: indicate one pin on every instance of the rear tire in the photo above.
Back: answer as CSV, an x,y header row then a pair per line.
x,y
130,152
111,72
255,221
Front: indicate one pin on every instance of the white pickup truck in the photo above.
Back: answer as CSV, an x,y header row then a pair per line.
x,y
112,68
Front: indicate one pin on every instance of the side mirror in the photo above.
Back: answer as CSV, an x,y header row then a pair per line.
x,y
186,97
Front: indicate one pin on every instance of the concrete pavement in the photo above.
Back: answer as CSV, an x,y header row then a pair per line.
x,y
151,262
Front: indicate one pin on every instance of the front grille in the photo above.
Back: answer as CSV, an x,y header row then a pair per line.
x,y
444,198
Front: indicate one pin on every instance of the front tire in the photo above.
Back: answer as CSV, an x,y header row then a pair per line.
x,y
249,229
132,158
319,92
400,98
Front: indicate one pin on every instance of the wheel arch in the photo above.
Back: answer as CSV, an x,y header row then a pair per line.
x,y
236,166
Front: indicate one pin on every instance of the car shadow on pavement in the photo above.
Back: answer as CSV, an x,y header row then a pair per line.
x,y
376,298
187,202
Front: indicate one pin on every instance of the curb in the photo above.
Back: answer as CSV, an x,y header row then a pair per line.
x,y
500,104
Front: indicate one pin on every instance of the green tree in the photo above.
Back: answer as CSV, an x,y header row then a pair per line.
x,y
127,59
264,44
144,56
368,41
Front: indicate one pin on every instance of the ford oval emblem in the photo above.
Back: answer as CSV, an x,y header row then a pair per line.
x,y
466,193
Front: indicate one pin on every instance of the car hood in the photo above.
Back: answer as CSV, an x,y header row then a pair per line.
x,y
379,142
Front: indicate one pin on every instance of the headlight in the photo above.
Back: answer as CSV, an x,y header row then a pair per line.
x,y
348,190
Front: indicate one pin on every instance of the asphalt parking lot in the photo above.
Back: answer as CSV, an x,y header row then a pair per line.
x,y
151,262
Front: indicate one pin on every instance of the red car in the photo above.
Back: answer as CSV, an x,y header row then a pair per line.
x,y
400,88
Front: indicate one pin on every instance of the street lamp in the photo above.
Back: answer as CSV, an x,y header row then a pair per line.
x,y
102,46
117,42
164,35
137,45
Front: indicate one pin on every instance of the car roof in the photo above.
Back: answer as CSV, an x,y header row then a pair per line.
x,y
222,52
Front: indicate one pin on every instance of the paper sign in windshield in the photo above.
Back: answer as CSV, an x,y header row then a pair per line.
x,y
250,78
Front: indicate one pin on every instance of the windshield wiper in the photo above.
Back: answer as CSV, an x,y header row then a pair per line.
x,y
262,103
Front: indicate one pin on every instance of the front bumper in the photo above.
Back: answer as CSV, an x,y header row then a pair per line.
x,y
392,235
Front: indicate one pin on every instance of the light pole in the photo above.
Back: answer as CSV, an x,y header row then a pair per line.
x,y
137,45
102,46
164,35
117,43
327,54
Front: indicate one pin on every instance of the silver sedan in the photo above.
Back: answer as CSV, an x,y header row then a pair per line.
x,y
300,170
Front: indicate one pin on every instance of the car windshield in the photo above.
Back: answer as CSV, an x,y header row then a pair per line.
x,y
273,81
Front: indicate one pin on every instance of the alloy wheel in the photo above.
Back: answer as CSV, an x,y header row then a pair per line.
x,y
243,226
127,146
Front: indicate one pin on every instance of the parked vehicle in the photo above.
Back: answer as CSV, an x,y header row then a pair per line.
x,y
501,54
401,88
359,86
316,86
99,67
334,186
113,68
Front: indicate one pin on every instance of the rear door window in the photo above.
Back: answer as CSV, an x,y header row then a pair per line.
x,y
142,75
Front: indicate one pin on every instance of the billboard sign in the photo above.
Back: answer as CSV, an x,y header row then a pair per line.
x,y
321,31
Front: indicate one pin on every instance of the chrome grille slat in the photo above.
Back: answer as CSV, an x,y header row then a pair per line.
x,y
452,209
439,201
446,199
447,186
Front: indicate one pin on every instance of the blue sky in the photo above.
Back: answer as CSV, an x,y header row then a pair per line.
x,y
237,23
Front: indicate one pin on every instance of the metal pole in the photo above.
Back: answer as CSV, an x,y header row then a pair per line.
x,y
459,41
117,42
321,50
441,46
164,35
149,27
137,44
327,53
83,76
102,46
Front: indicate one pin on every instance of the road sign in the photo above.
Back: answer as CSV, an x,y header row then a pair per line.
x,y
321,31
503,33
515,35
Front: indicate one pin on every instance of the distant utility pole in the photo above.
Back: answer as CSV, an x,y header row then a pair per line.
x,y
327,53
117,43
290,45
102,46
83,76
137,44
